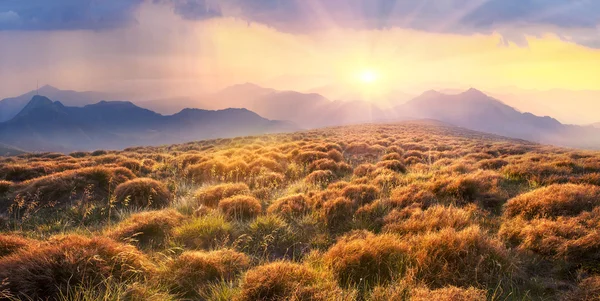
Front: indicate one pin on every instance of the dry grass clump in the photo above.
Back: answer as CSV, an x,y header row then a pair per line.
x,y
414,194
240,207
573,240
50,270
320,178
150,229
434,218
483,187
559,222
335,155
393,165
268,180
366,260
10,244
553,201
205,232
371,216
361,194
280,281
293,206
392,156
61,188
210,170
406,290
23,172
338,213
269,237
538,173
323,164
190,273
450,293
465,258
492,164
386,180
143,193
587,290
364,170
210,196
308,157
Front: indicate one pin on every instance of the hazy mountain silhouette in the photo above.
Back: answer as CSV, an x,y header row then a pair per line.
x,y
44,125
383,101
475,110
308,110
569,106
10,107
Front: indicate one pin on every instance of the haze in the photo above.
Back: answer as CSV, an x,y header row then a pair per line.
x,y
538,56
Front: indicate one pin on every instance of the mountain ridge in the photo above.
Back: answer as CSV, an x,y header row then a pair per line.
x,y
44,125
476,110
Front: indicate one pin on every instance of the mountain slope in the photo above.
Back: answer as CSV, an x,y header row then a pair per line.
x,y
44,125
7,151
475,110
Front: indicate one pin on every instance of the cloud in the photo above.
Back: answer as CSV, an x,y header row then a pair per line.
x,y
560,13
195,9
512,18
68,14
9,17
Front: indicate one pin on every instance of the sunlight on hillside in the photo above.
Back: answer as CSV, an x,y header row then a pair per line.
x,y
409,211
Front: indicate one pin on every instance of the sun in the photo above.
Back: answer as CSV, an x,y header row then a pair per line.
x,y
368,76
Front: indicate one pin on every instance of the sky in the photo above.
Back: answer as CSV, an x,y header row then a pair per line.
x,y
355,48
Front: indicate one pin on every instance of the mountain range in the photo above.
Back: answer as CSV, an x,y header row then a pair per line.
x,y
475,110
308,110
10,107
42,124
46,125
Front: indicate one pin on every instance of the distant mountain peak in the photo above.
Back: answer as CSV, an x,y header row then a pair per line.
x,y
46,89
472,92
39,100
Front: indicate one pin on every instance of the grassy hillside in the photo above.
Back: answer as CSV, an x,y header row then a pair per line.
x,y
6,150
410,211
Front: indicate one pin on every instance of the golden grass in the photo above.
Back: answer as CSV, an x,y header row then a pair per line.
x,y
210,196
364,260
143,193
152,229
240,207
285,281
10,244
407,211
462,258
553,201
69,261
204,232
192,271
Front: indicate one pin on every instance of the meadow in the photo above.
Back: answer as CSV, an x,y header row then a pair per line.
x,y
406,211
